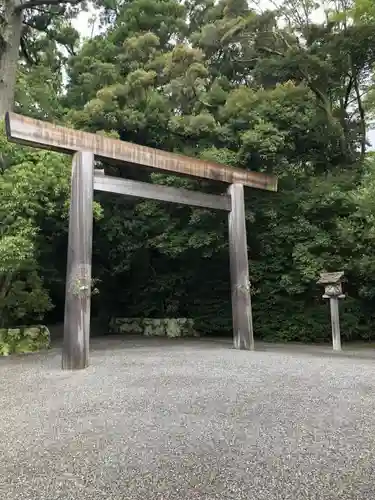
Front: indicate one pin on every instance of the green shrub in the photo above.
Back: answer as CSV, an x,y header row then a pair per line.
x,y
23,339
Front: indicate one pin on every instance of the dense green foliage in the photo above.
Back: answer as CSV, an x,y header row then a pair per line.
x,y
23,339
267,91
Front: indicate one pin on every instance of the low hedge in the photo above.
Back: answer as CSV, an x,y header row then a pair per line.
x,y
154,327
23,339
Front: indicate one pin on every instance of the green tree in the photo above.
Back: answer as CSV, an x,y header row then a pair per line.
x,y
23,295
34,204
28,28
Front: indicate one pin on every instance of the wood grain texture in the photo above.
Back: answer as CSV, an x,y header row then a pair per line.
x,y
78,276
239,270
149,191
335,323
48,136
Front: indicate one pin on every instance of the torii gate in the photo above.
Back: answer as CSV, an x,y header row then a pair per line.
x,y
85,147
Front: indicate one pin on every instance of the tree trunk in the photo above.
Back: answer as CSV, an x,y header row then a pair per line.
x,y
325,104
9,51
362,119
5,285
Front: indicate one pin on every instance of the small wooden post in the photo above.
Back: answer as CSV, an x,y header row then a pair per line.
x,y
333,292
78,276
335,322
239,270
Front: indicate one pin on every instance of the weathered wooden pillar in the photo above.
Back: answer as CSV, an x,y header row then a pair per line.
x,y
78,276
239,270
335,323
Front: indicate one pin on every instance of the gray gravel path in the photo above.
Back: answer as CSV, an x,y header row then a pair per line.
x,y
183,420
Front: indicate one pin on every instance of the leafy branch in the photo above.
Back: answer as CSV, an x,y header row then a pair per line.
x,y
37,3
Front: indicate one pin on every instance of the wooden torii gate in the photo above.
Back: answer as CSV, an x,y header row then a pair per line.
x,y
85,147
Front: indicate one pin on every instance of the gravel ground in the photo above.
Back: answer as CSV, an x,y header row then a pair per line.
x,y
186,420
